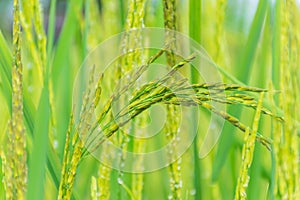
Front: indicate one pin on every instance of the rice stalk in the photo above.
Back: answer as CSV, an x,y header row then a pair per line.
x,y
161,95
244,178
88,134
294,96
137,182
64,185
247,154
278,150
288,152
132,38
16,167
152,93
138,179
172,123
170,23
165,95
195,32
132,58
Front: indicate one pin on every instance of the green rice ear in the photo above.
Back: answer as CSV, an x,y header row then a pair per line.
x,y
16,164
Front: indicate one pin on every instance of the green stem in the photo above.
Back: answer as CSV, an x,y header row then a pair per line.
x,y
195,8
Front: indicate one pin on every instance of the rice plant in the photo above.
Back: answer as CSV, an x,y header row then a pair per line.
x,y
88,114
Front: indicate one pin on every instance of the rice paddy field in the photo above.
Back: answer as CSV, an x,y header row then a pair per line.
x,y
149,99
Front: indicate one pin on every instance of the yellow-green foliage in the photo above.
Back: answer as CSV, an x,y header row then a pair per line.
x,y
43,158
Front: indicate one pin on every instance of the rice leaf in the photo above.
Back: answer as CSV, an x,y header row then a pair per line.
x,y
195,12
38,159
5,69
252,42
